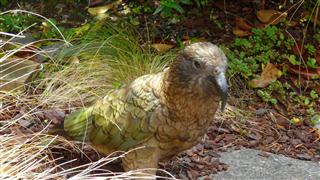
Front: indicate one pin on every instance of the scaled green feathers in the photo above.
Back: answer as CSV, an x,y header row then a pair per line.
x,y
118,121
79,124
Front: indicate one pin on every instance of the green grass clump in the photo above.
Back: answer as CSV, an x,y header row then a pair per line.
x,y
106,57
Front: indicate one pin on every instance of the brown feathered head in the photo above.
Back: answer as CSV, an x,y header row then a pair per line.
x,y
202,65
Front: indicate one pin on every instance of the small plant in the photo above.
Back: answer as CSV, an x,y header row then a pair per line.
x,y
314,94
15,23
168,8
138,9
270,45
311,111
261,48
292,59
310,49
266,97
295,120
312,62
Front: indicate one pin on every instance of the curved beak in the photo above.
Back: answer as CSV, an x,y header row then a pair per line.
x,y
221,85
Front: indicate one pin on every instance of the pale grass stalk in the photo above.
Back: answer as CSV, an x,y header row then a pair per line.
x,y
21,157
12,35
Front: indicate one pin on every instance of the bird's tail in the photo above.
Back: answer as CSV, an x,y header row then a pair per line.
x,y
78,125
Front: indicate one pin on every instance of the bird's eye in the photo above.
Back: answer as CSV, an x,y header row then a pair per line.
x,y
196,64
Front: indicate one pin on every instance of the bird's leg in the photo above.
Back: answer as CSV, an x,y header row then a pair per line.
x,y
146,159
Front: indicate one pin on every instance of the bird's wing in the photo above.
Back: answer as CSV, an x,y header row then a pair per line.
x,y
121,120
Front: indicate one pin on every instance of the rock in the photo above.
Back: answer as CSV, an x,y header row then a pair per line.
x,y
24,123
248,164
15,72
27,39
54,49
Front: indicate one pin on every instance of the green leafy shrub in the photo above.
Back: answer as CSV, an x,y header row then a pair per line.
x,y
168,8
16,22
246,54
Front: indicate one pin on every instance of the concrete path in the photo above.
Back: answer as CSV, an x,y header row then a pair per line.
x,y
247,164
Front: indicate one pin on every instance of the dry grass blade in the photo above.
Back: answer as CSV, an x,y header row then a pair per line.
x,y
22,157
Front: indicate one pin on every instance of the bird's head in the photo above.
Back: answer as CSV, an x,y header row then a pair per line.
x,y
202,65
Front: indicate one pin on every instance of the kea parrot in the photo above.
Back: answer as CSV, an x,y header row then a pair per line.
x,y
156,116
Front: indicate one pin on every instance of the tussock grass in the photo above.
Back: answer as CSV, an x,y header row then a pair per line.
x,y
105,58
101,61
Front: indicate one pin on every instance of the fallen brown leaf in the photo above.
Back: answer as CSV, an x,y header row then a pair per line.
x,y
240,32
243,24
269,74
100,11
161,48
270,16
